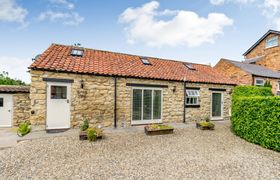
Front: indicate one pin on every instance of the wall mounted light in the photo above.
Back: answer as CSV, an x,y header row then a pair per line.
x,y
82,84
174,89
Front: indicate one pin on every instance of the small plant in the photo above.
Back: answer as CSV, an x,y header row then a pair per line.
x,y
91,134
267,84
205,125
207,118
159,127
23,129
85,125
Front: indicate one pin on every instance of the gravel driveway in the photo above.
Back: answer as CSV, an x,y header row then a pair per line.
x,y
187,154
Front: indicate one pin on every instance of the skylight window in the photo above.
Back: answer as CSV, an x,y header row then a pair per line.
x,y
190,66
145,61
77,52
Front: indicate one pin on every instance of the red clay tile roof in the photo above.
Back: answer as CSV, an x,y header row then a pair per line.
x,y
14,89
98,62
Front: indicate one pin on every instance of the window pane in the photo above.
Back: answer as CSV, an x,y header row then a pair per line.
x,y
272,42
147,105
137,104
58,92
157,105
1,102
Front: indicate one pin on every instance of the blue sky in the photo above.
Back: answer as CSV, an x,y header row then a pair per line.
x,y
200,31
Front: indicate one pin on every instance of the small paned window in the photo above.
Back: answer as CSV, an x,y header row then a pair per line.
x,y
190,66
145,61
271,42
192,97
77,52
259,82
1,102
58,92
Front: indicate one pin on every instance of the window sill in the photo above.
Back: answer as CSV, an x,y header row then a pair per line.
x,y
192,106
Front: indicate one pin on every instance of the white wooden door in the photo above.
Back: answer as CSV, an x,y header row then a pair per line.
x,y
6,110
58,105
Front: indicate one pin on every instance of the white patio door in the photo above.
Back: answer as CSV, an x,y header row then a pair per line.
x,y
217,106
6,110
58,105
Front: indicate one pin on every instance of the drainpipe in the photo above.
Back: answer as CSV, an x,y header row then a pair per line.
x,y
184,118
115,103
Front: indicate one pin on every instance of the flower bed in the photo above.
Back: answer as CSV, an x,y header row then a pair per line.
x,y
158,129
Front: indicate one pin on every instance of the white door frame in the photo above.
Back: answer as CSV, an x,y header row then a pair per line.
x,y
140,122
222,106
9,109
67,102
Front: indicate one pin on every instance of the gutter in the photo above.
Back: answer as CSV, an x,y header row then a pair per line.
x,y
184,118
115,102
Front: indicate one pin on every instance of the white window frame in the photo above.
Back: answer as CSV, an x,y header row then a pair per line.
x,y
256,79
142,121
278,85
270,42
195,95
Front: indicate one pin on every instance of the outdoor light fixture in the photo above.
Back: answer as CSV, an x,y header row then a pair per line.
x,y
174,89
82,84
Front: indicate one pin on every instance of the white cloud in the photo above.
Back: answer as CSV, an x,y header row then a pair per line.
x,y
221,2
143,24
17,67
64,2
271,7
11,12
67,18
217,2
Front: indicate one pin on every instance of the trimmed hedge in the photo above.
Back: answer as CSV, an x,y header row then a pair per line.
x,y
251,91
256,119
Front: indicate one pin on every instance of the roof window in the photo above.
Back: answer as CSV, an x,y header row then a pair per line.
x,y
190,66
77,51
145,61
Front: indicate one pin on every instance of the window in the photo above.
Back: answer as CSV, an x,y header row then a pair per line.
x,y
189,66
278,85
77,52
146,104
259,82
272,42
58,92
192,97
1,102
145,61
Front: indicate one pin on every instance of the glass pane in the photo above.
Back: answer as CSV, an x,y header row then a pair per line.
x,y
1,102
157,105
137,104
58,92
216,105
147,105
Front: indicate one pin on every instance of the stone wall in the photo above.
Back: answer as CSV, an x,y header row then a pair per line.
x,y
200,113
271,56
96,100
21,108
242,77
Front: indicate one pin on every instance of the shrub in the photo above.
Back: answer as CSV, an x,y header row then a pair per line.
x,y
85,125
267,84
251,91
24,128
91,134
159,127
206,125
257,119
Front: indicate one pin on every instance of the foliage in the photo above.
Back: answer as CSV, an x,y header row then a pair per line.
x,y
250,91
6,80
93,133
85,125
159,126
257,118
24,128
267,84
207,124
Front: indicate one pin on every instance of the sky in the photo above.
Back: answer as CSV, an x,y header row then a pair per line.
x,y
198,31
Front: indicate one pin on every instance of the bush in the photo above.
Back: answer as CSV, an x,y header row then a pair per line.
x,y
85,125
257,119
91,134
251,91
24,128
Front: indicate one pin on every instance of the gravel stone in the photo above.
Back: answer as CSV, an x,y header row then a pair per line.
x,y
189,153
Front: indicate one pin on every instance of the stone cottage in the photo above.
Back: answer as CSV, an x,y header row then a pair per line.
x,y
69,84
14,105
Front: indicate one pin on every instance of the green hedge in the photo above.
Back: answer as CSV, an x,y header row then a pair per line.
x,y
257,119
251,91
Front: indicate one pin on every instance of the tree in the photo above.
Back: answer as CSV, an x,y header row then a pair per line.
x,y
6,80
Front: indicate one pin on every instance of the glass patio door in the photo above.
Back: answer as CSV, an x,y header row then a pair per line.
x,y
217,105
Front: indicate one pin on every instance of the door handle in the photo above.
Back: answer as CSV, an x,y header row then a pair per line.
x,y
9,110
67,100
